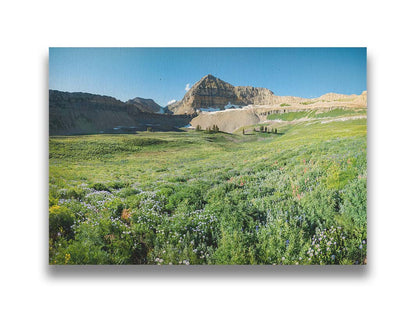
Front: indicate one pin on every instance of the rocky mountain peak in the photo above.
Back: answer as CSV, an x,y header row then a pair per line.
x,y
211,92
210,85
209,76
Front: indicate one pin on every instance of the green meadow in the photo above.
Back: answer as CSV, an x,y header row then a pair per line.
x,y
192,197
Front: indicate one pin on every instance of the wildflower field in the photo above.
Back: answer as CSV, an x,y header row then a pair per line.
x,y
297,196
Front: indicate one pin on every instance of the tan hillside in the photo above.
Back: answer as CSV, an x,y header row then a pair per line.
x,y
228,120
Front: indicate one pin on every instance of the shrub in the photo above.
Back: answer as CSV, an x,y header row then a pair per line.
x,y
78,252
61,220
72,192
354,204
100,187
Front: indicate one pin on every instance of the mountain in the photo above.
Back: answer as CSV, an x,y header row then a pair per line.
x,y
210,97
146,105
213,93
81,113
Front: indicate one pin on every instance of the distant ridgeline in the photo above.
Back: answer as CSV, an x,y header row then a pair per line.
x,y
85,113
210,101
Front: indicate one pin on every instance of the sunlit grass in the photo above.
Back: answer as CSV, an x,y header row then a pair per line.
x,y
198,198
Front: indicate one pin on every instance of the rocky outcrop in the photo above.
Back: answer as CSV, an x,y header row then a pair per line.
x,y
209,92
361,100
81,113
146,105
212,92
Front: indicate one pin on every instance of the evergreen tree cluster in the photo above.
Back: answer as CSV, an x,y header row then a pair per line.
x,y
213,129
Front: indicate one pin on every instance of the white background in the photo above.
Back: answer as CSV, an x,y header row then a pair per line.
x,y
28,28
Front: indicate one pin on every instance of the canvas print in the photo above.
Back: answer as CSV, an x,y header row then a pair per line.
x,y
208,156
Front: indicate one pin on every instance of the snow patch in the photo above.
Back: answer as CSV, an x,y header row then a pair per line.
x,y
209,109
229,106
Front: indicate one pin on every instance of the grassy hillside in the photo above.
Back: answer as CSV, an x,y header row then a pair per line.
x,y
199,198
337,112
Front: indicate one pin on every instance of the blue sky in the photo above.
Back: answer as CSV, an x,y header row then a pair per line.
x,y
163,74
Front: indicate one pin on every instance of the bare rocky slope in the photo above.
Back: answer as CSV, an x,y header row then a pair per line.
x,y
212,92
82,113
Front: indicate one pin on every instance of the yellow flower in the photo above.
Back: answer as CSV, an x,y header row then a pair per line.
x,y
67,257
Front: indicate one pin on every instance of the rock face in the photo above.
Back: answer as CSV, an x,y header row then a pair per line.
x,y
146,105
212,92
81,113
